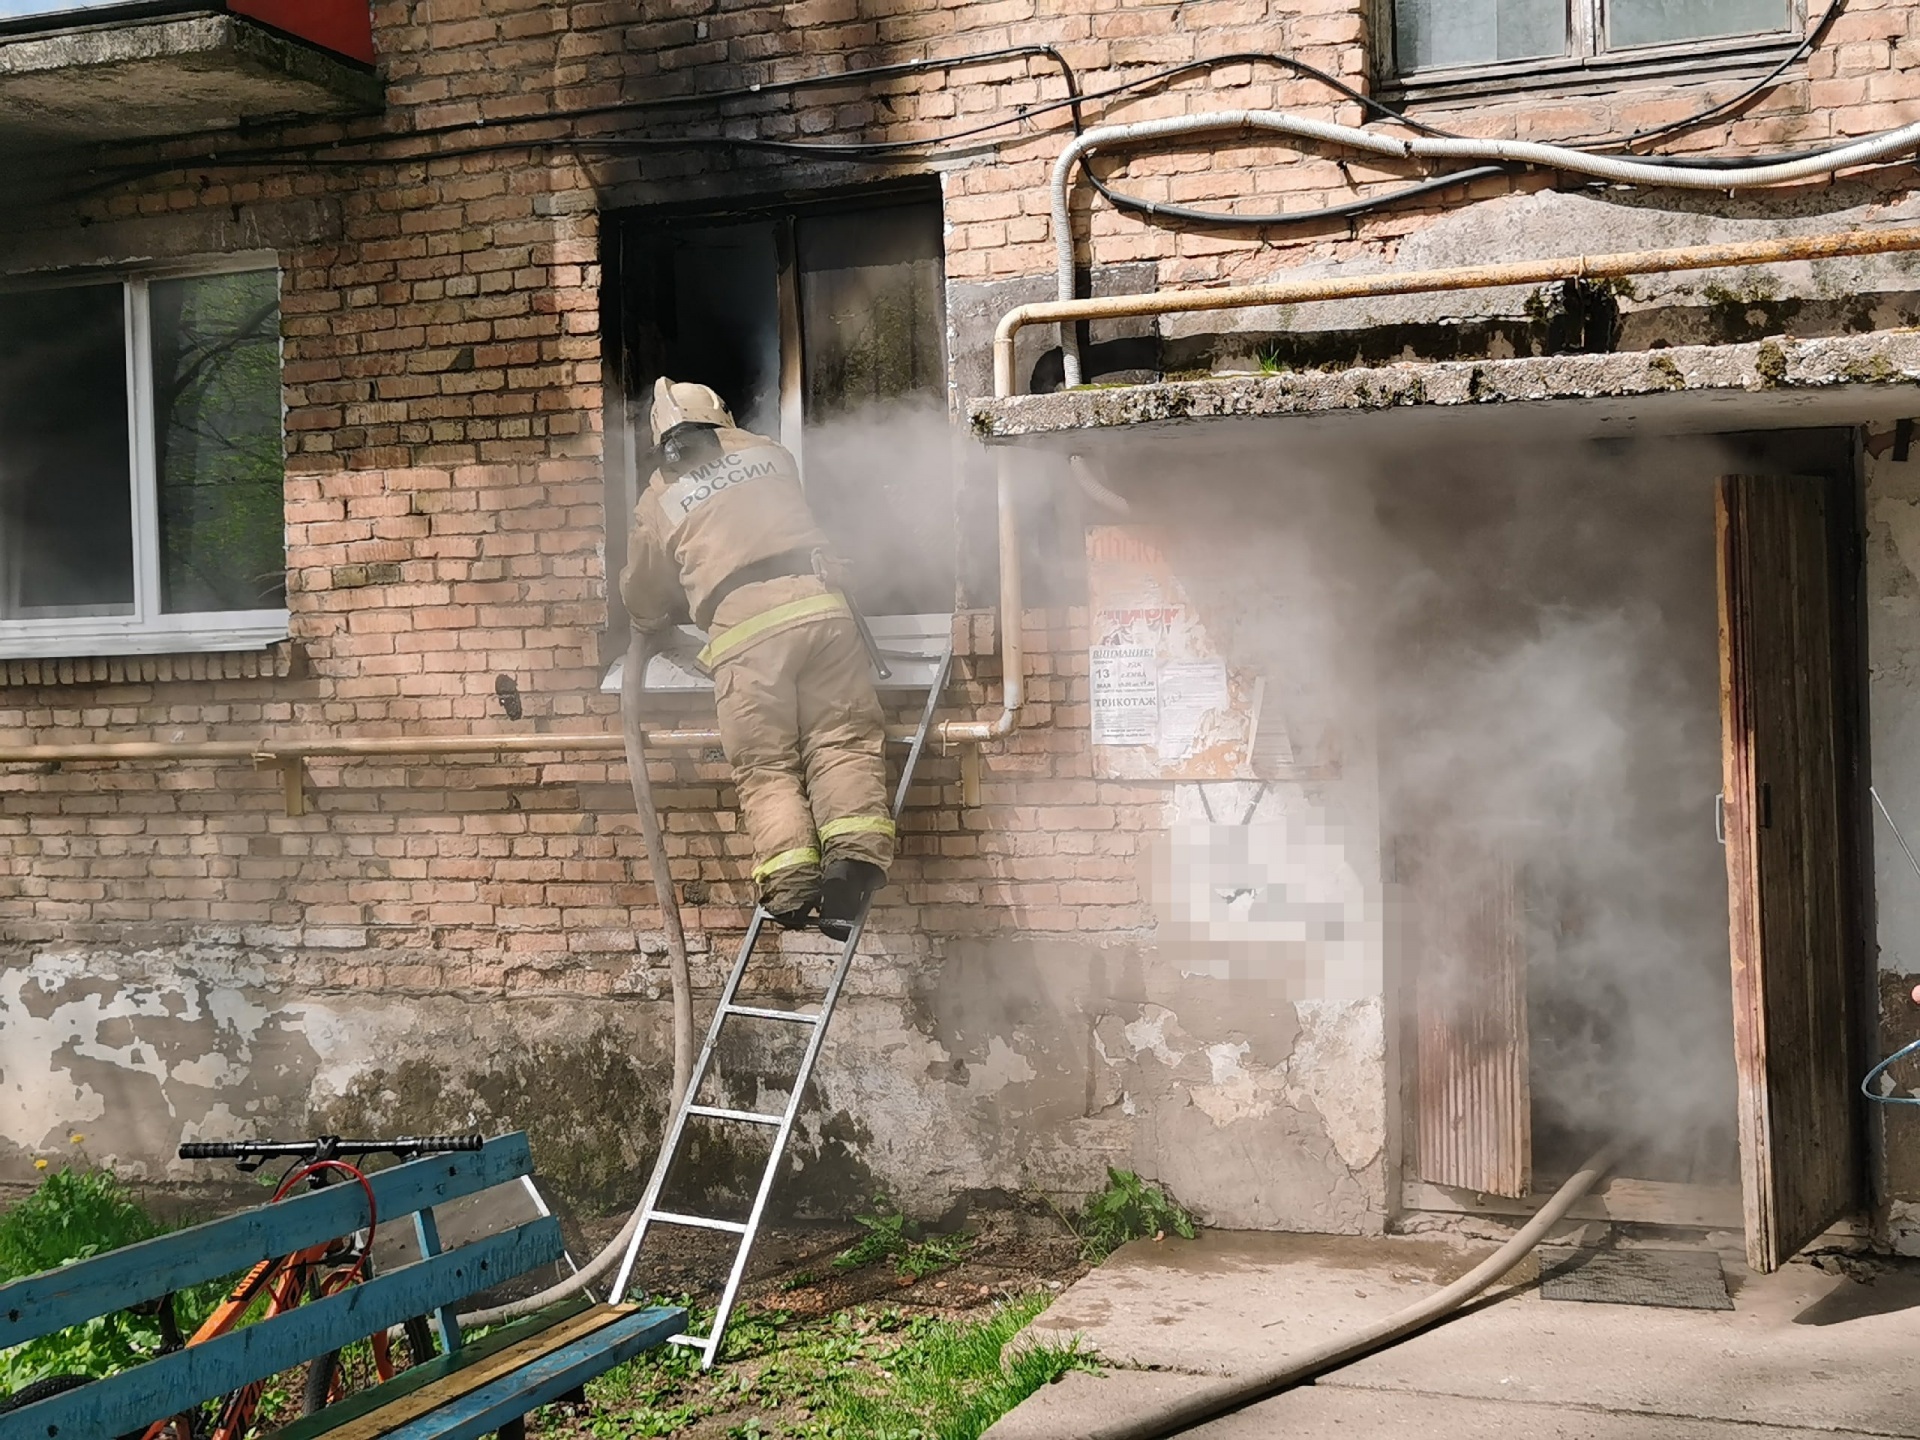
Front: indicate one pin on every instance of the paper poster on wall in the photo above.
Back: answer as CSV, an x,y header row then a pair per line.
x,y
1164,702
1124,692
1191,692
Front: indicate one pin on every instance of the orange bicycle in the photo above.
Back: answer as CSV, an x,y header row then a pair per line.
x,y
311,1274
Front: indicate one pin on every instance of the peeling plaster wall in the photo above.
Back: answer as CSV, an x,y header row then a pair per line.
x,y
1004,1065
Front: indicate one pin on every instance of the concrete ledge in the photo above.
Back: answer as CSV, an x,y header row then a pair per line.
x,y
1878,369
169,76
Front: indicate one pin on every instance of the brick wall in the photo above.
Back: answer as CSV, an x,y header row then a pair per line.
x,y
445,510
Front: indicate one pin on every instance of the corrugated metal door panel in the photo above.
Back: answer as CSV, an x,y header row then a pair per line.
x,y
1790,889
1472,1110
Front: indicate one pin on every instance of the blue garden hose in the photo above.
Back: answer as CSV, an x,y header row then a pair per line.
x,y
1866,1085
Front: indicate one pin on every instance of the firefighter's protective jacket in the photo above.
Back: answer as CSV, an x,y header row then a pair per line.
x,y
691,535
730,542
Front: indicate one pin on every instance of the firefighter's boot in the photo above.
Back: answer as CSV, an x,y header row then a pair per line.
x,y
845,887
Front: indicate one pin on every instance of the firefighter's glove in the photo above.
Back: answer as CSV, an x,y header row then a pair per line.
x,y
832,571
676,645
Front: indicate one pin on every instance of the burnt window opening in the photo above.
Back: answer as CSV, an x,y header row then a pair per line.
x,y
822,325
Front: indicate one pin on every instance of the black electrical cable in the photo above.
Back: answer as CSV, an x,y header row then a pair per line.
x,y
1345,210
1813,37
316,152
901,150
728,96
1349,209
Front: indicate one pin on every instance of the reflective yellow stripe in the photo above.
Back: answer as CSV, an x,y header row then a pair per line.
x,y
734,636
786,860
856,825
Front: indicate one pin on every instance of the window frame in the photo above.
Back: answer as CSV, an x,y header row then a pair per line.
x,y
1587,62
149,629
625,406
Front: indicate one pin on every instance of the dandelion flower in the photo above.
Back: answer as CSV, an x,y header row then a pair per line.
x,y
39,1164
76,1138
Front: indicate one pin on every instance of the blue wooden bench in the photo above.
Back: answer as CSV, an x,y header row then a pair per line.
x,y
475,1388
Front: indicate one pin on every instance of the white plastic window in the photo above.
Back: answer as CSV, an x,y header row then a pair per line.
x,y
142,464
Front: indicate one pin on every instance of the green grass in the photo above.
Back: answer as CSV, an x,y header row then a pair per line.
x,y
859,1375
72,1215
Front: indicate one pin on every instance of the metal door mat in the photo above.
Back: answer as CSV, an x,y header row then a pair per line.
x,y
1678,1279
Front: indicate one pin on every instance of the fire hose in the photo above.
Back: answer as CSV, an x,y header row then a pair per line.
x,y
632,687
1171,1417
1184,1412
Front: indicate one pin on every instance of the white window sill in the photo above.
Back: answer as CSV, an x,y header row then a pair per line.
x,y
176,635
913,645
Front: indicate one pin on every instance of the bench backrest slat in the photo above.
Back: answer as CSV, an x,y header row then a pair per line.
x,y
169,1384
74,1294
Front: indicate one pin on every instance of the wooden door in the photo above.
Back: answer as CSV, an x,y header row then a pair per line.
x,y
1789,775
1473,1110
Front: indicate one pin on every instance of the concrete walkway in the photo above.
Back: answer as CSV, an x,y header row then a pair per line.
x,y
1804,1353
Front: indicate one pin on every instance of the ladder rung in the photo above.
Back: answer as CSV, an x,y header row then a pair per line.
x,y
700,1222
799,1017
752,1117
692,1342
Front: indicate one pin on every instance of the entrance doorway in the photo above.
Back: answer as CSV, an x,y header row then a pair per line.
x,y
1644,926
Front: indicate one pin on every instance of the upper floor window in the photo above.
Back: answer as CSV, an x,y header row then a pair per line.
x,y
1438,35
142,465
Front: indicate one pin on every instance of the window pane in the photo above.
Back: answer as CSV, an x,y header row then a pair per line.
x,y
1433,34
872,307
719,323
219,456
1661,22
873,337
66,520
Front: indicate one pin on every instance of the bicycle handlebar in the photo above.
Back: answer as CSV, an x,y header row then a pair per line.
x,y
328,1146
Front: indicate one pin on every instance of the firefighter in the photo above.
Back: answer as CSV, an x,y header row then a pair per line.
x,y
723,535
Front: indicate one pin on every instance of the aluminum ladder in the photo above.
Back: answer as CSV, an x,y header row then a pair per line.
x,y
781,1122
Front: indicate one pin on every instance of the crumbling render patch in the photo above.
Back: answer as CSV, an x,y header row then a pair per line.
x,y
1903,1227
102,1045
1288,1142
1337,1065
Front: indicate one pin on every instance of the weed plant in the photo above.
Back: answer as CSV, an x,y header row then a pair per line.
x,y
1128,1209
889,1235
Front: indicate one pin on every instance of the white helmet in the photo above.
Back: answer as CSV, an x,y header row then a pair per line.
x,y
682,403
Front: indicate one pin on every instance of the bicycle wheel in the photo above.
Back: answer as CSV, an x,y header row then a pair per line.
x,y
364,1364
41,1389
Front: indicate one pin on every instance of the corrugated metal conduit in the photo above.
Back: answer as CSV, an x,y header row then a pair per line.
x,y
1718,173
